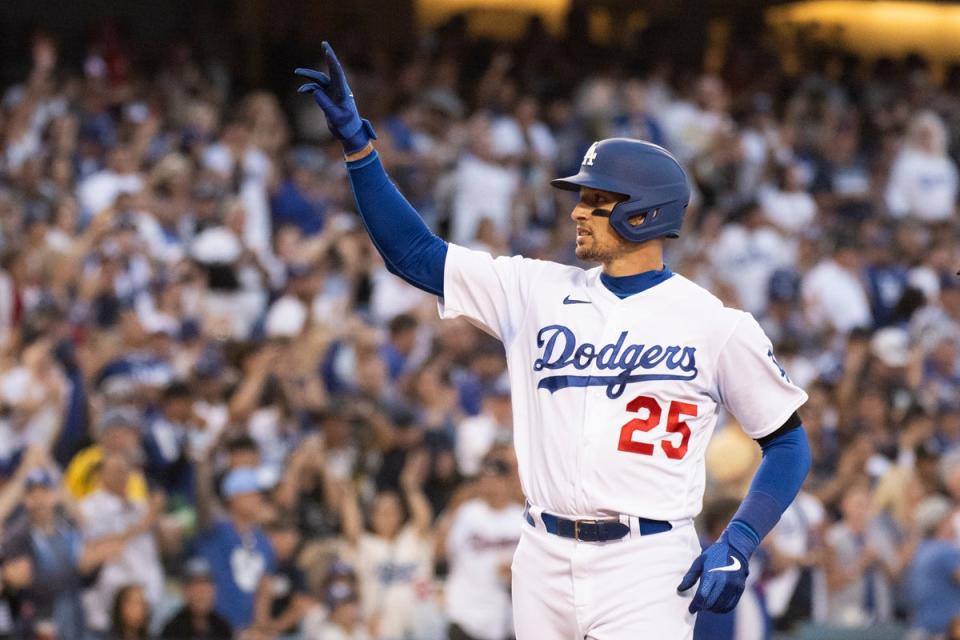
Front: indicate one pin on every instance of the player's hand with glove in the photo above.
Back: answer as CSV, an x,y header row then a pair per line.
x,y
334,96
722,570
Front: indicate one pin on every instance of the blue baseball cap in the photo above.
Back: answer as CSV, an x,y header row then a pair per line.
x,y
299,270
339,593
210,364
119,417
240,481
197,568
784,286
339,569
40,478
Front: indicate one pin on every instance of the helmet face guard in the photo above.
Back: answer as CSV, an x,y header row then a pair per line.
x,y
652,181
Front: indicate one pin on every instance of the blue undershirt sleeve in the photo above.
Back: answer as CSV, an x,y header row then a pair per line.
x,y
786,462
409,249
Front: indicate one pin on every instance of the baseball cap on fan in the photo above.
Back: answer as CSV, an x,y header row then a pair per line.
x,y
197,568
210,364
891,345
245,480
40,478
286,318
340,593
241,481
784,286
119,418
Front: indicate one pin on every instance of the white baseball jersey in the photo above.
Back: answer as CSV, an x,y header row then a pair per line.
x,y
481,542
394,578
614,400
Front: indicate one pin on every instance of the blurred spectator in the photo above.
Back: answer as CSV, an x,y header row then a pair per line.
x,y
48,588
100,190
923,179
934,576
312,482
108,513
395,559
484,186
196,618
399,350
166,443
291,600
844,181
481,537
118,431
477,434
796,588
636,120
789,206
859,565
833,295
344,621
131,614
34,393
886,280
298,200
693,122
747,253
239,553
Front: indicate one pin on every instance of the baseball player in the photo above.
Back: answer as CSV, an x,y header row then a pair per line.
x,y
618,375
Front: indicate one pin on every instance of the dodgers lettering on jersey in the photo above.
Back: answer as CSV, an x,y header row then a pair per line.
x,y
560,350
394,576
614,401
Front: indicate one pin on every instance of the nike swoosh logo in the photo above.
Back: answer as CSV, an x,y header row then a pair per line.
x,y
733,566
568,300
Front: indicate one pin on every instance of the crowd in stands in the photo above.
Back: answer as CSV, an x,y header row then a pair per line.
x,y
220,415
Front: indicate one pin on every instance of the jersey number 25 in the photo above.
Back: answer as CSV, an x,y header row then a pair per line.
x,y
654,412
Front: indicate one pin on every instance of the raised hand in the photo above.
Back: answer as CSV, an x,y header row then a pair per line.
x,y
334,96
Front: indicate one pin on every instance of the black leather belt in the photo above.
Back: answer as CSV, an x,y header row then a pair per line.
x,y
595,530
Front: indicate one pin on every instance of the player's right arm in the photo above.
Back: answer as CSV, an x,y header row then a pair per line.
x,y
490,292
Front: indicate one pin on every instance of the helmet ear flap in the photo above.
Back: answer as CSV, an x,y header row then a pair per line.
x,y
644,223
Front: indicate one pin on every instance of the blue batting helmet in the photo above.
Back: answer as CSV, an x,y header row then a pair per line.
x,y
655,186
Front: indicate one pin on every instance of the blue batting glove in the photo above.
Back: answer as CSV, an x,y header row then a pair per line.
x,y
722,570
334,96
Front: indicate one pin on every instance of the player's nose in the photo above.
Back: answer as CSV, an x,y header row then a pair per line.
x,y
580,212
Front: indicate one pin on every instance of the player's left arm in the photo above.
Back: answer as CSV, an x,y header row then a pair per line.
x,y
757,390
408,247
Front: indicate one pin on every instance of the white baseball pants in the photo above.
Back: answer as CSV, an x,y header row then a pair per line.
x,y
621,590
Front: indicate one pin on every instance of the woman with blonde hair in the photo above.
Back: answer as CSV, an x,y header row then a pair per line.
x,y
923,178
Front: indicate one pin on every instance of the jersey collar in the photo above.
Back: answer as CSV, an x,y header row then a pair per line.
x,y
625,286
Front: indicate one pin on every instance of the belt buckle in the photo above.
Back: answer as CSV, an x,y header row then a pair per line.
x,y
576,527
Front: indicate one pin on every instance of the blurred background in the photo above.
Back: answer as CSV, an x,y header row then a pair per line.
x,y
221,417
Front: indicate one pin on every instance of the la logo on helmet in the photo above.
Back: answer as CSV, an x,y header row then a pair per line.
x,y
591,155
